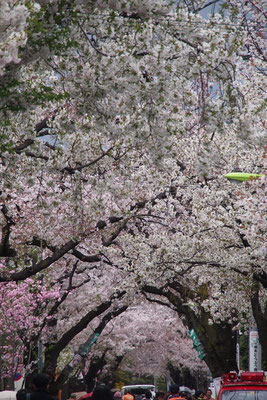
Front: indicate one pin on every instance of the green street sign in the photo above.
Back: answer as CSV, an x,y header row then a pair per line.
x,y
198,346
194,337
89,344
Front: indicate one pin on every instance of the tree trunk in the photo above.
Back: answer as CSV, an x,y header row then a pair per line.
x,y
218,340
96,366
110,376
53,350
260,316
183,376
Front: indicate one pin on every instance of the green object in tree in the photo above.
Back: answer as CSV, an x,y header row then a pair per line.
x,y
242,176
198,346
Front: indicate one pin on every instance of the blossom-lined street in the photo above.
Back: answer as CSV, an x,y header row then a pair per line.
x,y
132,193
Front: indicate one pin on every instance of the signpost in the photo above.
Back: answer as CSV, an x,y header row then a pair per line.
x,y
255,357
18,381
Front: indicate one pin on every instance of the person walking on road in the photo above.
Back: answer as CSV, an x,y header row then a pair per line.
x,y
22,394
175,393
40,383
148,395
209,395
160,396
128,396
185,392
102,392
199,395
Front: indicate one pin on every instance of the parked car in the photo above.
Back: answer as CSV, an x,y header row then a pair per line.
x,y
139,390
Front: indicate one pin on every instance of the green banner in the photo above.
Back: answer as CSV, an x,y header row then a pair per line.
x,y
198,346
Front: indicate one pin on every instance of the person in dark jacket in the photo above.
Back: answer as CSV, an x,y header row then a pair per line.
x,y
148,395
102,392
40,383
22,394
175,392
160,396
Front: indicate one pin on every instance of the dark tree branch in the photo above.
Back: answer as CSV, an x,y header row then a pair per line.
x,y
33,155
206,5
53,351
111,239
40,266
28,142
83,349
5,249
162,303
86,258
71,170
58,302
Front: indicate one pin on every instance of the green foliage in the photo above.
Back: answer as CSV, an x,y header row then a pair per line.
x,y
5,146
15,98
51,30
127,378
123,377
161,384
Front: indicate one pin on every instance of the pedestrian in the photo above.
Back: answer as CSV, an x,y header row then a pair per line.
x,y
102,392
167,395
209,395
128,396
22,394
148,395
199,395
175,392
185,395
40,383
179,393
185,392
160,396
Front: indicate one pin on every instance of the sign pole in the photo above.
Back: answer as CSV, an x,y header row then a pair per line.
x,y
255,357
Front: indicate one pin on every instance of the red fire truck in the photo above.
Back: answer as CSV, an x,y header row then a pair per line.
x,y
245,386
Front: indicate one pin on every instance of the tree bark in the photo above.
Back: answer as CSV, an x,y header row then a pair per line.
x,y
53,350
96,366
217,339
183,376
260,316
109,378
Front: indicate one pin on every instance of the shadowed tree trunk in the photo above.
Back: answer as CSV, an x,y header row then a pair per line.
x,y
53,350
218,340
96,366
109,378
184,377
260,315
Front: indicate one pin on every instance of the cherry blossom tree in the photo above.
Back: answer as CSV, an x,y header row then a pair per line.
x,y
24,307
118,122
158,338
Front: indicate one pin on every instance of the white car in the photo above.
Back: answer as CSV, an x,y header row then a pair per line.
x,y
139,390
